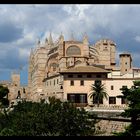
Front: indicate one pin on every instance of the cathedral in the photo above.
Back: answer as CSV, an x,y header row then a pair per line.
x,y
67,69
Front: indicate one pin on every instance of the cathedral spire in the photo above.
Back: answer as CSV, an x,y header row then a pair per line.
x,y
50,40
85,39
46,40
38,43
61,38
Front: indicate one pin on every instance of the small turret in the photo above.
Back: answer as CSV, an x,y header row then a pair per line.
x,y
50,40
61,39
85,40
46,40
125,63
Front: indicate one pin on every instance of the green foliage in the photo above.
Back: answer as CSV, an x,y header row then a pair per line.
x,y
3,96
55,118
98,92
3,91
133,97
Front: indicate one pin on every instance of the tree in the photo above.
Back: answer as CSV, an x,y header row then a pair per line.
x,y
133,97
4,95
98,92
55,118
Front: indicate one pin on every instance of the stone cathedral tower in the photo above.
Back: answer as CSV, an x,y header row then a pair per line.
x,y
51,57
125,63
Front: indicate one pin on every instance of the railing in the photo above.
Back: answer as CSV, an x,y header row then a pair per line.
x,y
107,107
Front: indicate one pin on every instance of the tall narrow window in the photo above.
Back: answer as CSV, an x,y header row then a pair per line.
x,y
82,83
112,87
72,98
82,98
72,82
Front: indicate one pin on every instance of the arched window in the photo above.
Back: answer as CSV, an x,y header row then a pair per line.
x,y
73,50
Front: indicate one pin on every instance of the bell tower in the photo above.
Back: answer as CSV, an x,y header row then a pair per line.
x,y
125,63
15,78
86,46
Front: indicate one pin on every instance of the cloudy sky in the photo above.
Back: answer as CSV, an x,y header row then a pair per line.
x,y
22,25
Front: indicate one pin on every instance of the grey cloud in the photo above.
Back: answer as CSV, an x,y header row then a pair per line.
x,y
11,59
9,32
119,23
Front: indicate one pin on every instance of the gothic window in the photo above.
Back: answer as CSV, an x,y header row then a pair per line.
x,y
73,50
54,82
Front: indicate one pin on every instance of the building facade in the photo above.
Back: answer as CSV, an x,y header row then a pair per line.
x,y
67,69
16,91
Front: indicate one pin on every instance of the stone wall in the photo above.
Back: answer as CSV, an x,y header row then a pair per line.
x,y
106,127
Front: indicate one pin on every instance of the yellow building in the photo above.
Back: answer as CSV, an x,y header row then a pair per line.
x,y
67,69
16,91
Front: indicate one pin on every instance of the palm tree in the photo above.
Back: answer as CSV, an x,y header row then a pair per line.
x,y
98,92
